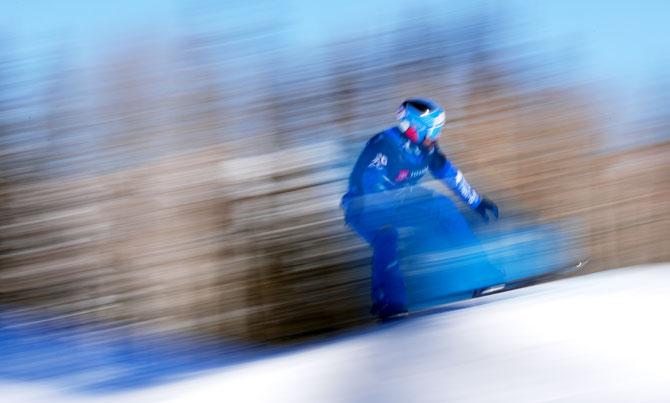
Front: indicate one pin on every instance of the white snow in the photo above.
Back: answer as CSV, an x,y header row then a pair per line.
x,y
604,337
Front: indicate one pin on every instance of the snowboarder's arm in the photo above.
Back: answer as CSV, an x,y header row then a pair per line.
x,y
453,178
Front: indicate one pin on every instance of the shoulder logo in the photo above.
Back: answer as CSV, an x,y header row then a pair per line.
x,y
379,161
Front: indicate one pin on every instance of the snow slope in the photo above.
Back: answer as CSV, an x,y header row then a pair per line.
x,y
595,338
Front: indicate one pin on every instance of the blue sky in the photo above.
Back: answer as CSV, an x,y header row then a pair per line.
x,y
628,38
623,44
623,38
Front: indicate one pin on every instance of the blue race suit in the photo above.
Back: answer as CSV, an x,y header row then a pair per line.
x,y
382,197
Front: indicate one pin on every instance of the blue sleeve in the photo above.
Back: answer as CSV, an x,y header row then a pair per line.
x,y
453,178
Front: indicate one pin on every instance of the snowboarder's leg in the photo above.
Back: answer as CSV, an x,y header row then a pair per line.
x,y
387,285
452,223
388,288
458,233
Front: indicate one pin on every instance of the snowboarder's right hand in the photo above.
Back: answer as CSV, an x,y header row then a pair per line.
x,y
484,206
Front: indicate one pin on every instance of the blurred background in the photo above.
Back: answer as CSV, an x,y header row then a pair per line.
x,y
176,166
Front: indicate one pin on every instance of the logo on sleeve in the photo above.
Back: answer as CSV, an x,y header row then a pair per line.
x,y
379,161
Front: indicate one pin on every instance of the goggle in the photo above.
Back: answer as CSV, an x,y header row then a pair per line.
x,y
433,126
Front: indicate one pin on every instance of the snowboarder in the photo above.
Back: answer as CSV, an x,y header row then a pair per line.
x,y
383,196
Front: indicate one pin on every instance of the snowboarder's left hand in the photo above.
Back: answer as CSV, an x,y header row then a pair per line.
x,y
484,206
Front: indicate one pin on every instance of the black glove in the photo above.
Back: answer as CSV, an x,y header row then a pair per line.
x,y
484,206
